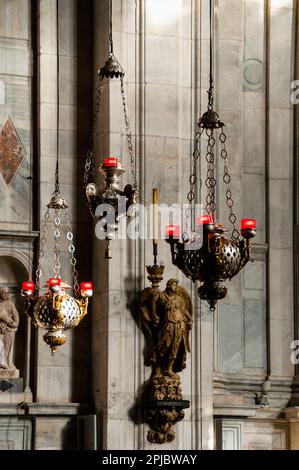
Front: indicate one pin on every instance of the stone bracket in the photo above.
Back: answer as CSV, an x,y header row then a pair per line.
x,y
161,415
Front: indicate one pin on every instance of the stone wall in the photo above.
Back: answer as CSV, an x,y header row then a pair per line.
x,y
163,47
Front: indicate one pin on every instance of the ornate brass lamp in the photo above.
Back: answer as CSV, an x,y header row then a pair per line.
x,y
55,310
218,258
111,167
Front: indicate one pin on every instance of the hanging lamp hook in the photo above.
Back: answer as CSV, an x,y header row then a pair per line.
x,y
112,68
211,80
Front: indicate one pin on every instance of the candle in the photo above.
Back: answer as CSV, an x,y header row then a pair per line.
x,y
86,289
54,281
111,161
155,216
86,285
248,224
28,285
172,231
204,220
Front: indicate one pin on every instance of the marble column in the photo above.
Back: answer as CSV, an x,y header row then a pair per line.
x,y
295,397
280,191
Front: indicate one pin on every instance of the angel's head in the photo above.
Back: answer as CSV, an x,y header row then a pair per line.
x,y
172,285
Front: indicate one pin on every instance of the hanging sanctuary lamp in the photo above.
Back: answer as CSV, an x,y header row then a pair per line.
x,y
219,258
111,167
55,310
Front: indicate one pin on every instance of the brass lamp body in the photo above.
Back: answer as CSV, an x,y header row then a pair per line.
x,y
217,260
56,312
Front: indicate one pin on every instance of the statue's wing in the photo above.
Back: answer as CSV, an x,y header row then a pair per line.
x,y
184,294
145,309
147,324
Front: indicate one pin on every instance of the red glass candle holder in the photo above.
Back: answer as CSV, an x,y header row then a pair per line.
x,y
248,223
28,285
86,289
111,161
27,288
54,281
86,285
248,228
205,220
172,231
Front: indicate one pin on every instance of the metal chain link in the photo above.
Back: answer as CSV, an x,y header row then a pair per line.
x,y
128,134
227,181
43,242
57,263
210,180
89,163
73,260
193,177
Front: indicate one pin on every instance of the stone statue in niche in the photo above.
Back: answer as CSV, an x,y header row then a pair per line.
x,y
166,321
9,322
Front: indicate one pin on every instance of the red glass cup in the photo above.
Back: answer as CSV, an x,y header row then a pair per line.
x,y
86,289
172,232
248,228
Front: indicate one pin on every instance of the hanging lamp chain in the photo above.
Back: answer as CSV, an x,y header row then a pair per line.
x,y
211,80
43,243
57,188
211,175
73,260
110,27
113,70
57,236
193,180
228,193
89,163
128,134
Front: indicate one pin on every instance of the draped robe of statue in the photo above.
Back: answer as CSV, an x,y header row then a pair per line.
x,y
9,322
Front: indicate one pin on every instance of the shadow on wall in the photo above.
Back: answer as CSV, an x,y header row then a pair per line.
x,y
82,99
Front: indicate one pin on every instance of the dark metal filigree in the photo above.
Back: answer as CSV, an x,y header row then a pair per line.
x,y
210,120
217,260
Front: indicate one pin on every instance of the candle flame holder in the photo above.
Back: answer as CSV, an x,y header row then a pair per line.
x,y
217,260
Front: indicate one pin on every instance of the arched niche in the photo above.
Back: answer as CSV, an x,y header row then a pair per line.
x,y
12,273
